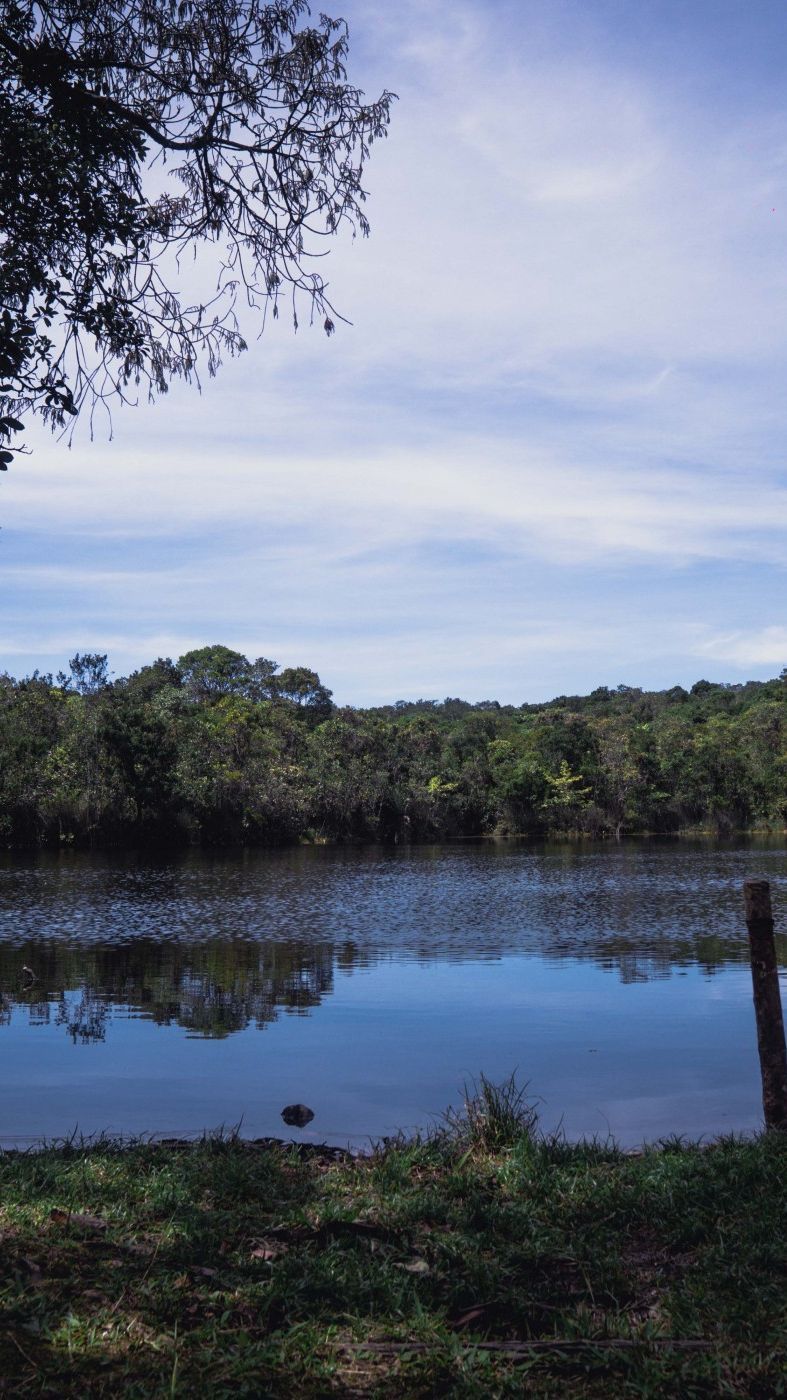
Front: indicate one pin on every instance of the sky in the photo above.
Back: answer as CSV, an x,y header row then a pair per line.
x,y
549,452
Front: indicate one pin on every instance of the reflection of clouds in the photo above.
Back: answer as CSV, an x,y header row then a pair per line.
x,y
214,943
692,1101
735,984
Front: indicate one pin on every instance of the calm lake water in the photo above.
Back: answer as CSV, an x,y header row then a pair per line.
x,y
178,995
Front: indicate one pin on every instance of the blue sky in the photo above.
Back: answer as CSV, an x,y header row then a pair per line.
x,y
550,451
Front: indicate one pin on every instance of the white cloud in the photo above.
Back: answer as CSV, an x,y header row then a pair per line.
x,y
764,646
546,499
568,352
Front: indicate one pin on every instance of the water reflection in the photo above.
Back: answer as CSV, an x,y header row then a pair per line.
x,y
215,944
210,989
132,991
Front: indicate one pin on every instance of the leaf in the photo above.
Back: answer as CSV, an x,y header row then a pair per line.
x,y
414,1266
268,1250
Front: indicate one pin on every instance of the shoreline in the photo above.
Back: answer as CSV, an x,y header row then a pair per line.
x,y
306,1150
161,846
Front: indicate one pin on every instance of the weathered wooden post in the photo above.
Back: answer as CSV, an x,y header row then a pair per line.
x,y
767,1002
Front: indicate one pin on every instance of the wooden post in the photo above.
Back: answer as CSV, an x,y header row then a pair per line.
x,y
767,1002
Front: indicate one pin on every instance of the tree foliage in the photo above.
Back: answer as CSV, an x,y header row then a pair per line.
x,y
218,749
256,141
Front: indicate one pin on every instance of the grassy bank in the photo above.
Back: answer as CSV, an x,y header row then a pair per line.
x,y
482,1262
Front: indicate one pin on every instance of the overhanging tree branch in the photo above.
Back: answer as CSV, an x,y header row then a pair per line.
x,y
273,138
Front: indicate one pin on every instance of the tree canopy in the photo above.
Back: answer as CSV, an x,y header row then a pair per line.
x,y
218,749
133,132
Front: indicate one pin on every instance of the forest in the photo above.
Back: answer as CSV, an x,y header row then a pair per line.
x,y
218,750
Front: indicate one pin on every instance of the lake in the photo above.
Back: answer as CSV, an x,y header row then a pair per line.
x,y
175,995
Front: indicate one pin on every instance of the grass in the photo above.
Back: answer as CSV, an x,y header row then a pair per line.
x,y
492,1116
482,1261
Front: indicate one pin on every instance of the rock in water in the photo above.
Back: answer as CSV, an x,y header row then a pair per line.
x,y
297,1115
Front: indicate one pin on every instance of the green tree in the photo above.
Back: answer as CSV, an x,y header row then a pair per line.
x,y
351,765
81,791
260,141
210,672
619,777
238,780
32,719
761,735
566,799
302,687
218,749
521,785
140,731
89,673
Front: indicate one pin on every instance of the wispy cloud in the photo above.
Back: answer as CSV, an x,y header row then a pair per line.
x,y
550,450
764,646
548,499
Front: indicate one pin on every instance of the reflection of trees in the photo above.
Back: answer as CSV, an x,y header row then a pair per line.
x,y
85,1019
210,989
210,946
219,987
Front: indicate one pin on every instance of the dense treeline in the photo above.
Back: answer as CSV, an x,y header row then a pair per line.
x,y
215,749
